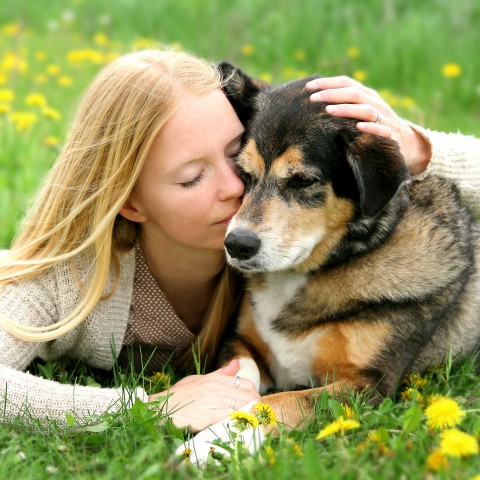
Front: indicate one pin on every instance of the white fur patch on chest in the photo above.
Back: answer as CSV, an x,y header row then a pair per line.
x,y
292,356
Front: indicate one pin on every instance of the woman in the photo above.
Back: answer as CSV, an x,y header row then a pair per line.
x,y
124,244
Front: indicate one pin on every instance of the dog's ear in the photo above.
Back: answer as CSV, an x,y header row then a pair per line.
x,y
378,168
241,90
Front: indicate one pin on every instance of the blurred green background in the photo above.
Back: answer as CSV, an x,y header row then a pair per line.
x,y
421,55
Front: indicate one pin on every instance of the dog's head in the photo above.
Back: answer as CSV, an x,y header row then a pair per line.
x,y
308,177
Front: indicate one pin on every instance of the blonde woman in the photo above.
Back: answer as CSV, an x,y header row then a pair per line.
x,y
124,244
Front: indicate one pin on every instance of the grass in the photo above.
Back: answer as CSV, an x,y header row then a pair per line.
x,y
400,47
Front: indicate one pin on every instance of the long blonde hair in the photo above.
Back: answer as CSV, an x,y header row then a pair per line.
x,y
77,209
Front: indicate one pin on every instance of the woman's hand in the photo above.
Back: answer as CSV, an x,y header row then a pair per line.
x,y
350,99
199,401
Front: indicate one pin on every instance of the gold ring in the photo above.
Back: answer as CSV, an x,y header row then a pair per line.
x,y
379,118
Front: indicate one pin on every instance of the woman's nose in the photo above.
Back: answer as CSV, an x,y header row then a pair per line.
x,y
230,184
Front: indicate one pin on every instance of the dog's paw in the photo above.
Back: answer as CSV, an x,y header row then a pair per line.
x,y
221,437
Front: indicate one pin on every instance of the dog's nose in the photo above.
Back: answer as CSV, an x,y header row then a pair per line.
x,y
242,245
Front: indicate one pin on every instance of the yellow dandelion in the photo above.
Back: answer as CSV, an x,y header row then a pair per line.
x,y
248,49
40,56
7,95
412,394
299,55
5,108
455,443
437,461
353,52
443,413
11,62
409,102
349,413
297,449
266,77
23,120
53,69
270,454
288,73
265,414
144,43
51,141
161,378
359,75
339,425
414,380
187,452
244,420
41,78
451,70
11,29
65,80
36,100
51,113
3,78
100,39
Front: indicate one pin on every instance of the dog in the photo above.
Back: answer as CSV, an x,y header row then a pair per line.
x,y
356,273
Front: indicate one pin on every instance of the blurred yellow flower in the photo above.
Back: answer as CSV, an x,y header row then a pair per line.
x,y
41,78
299,55
40,56
65,80
144,43
51,141
5,108
51,113
100,39
6,95
409,102
13,62
53,69
437,461
11,29
412,394
23,120
3,78
451,70
36,100
266,77
353,52
339,425
359,75
455,443
443,413
414,379
288,73
247,49
270,454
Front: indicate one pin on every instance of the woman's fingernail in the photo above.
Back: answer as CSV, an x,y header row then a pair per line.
x,y
332,109
316,97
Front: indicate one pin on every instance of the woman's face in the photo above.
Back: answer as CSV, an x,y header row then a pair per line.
x,y
188,189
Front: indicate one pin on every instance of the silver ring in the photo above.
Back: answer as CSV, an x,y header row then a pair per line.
x,y
379,118
237,382
232,403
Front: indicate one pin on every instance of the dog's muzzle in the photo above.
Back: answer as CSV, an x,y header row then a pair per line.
x,y
242,244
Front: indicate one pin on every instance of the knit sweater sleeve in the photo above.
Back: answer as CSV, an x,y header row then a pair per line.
x,y
34,303
457,157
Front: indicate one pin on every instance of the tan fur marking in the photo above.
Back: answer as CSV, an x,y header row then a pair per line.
x,y
287,164
251,161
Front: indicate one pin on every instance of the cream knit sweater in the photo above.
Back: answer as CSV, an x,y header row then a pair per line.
x,y
52,296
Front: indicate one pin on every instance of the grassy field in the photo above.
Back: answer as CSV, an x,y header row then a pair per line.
x,y
422,56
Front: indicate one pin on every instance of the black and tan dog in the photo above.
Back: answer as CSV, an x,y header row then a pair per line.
x,y
357,274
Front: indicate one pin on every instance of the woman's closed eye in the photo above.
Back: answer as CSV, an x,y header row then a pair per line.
x,y
192,183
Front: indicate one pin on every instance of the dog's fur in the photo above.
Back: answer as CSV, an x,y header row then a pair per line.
x,y
356,273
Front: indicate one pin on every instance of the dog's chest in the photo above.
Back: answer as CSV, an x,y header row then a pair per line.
x,y
292,354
